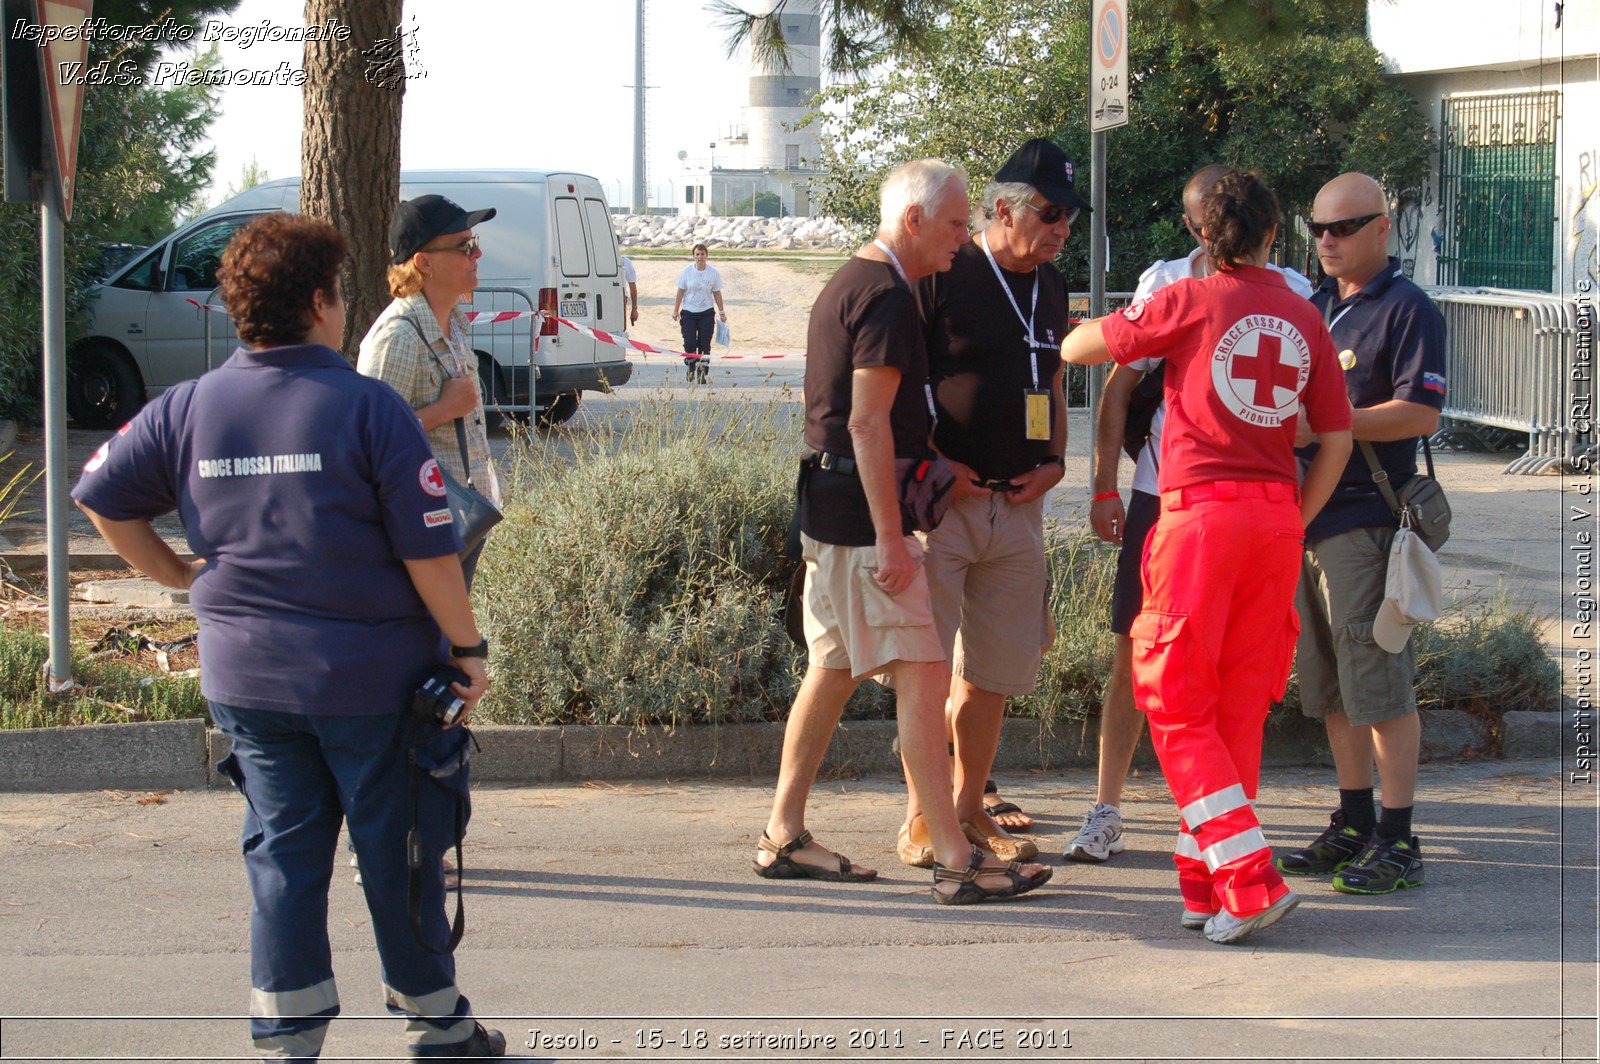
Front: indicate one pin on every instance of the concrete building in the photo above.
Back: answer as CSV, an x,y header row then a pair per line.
x,y
1512,88
762,164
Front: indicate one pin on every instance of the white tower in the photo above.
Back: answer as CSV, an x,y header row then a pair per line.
x,y
780,98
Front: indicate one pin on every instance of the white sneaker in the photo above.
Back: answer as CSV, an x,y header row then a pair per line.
x,y
1100,836
1226,928
1193,921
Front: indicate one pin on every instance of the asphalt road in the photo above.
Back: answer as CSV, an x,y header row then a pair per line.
x,y
622,910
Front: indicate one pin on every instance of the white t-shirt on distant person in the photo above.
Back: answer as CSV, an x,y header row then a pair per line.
x,y
697,287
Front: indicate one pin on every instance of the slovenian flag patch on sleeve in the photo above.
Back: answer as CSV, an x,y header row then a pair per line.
x,y
1433,382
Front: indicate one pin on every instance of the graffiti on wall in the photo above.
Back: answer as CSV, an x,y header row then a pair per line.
x,y
1583,235
1408,225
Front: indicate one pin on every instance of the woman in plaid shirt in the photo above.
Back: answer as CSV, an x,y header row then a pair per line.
x,y
419,346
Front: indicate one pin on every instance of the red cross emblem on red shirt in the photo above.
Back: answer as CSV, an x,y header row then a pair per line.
x,y
1266,370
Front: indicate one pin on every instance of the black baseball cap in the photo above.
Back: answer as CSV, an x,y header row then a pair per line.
x,y
1041,163
418,221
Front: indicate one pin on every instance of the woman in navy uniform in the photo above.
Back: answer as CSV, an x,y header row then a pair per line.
x,y
300,481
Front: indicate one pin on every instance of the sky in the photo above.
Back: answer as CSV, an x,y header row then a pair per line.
x,y
538,84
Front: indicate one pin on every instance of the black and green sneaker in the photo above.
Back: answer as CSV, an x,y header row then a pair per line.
x,y
1335,848
1385,866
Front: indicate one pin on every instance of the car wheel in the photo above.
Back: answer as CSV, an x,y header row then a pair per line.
x,y
490,391
103,387
559,409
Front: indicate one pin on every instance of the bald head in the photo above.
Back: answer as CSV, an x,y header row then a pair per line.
x,y
1357,257
1349,196
1199,185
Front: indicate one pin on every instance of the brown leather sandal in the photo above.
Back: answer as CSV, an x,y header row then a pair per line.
x,y
968,892
784,866
1002,846
915,847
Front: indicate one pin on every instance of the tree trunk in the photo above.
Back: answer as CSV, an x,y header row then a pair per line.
x,y
350,147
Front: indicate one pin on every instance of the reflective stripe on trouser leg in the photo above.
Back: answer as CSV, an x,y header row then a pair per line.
x,y
438,1021
1194,878
1215,598
291,1024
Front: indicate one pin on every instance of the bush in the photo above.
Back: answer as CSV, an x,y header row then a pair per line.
x,y
640,582
110,692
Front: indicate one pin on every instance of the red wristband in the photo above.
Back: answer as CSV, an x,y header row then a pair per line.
x,y
1100,497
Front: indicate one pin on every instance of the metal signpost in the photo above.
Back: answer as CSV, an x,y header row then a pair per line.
x,y
1108,108
41,160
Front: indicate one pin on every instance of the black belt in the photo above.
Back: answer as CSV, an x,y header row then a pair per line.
x,y
836,463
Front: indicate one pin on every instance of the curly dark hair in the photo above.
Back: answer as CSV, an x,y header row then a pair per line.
x,y
1237,213
271,270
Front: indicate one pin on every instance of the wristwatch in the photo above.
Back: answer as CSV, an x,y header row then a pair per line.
x,y
481,650
1056,458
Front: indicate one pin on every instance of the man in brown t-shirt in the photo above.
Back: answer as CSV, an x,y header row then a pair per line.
x,y
867,609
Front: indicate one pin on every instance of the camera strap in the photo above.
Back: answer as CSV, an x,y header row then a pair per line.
x,y
414,851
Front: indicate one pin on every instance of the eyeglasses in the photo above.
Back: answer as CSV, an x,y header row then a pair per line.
x,y
1054,213
1343,227
469,246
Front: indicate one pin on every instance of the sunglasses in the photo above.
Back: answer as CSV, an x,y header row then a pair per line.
x,y
469,246
1343,227
1054,213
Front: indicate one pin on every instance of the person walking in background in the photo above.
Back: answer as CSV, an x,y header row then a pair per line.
x,y
695,309
1100,837
1214,643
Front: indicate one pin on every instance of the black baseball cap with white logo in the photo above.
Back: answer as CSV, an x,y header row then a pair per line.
x,y
1041,163
418,221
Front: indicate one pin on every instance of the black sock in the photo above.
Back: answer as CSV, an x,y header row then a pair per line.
x,y
1395,824
1358,811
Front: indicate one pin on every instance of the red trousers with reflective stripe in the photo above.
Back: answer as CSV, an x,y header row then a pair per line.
x,y
1212,650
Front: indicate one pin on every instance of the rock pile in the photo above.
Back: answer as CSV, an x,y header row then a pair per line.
x,y
674,231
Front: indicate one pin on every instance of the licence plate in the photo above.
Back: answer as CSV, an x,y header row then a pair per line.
x,y
574,308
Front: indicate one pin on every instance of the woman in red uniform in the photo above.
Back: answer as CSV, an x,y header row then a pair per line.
x,y
1214,644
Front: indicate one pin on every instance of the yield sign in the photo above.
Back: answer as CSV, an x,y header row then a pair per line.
x,y
63,93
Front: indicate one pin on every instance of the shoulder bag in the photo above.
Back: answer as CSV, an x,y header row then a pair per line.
x,y
472,512
1422,498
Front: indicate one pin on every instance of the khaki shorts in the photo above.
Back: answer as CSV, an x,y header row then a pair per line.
x,y
852,623
1342,584
986,572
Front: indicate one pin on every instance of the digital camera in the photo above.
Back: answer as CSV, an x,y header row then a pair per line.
x,y
436,700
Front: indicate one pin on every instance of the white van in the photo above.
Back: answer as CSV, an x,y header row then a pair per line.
x,y
550,246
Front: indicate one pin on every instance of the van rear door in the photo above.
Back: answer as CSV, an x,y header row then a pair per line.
x,y
607,277
574,274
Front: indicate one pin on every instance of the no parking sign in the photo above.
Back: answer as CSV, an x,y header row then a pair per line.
x,y
1108,65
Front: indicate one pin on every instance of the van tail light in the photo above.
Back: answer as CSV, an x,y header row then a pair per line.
x,y
548,304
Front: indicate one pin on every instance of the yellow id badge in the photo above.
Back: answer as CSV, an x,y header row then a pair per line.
x,y
1038,413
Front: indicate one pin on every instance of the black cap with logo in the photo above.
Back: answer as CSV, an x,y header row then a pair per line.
x,y
1041,163
418,221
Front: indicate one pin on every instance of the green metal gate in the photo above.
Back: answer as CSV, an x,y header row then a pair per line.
x,y
1497,190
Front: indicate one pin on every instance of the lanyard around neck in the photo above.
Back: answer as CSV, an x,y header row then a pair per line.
x,y
1033,307
894,260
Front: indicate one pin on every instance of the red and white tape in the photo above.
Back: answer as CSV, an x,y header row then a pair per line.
x,y
495,317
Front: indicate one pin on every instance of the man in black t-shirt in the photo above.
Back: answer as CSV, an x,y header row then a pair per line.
x,y
866,597
994,325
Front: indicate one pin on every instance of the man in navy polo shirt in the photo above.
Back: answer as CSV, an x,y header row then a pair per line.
x,y
326,583
1390,340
